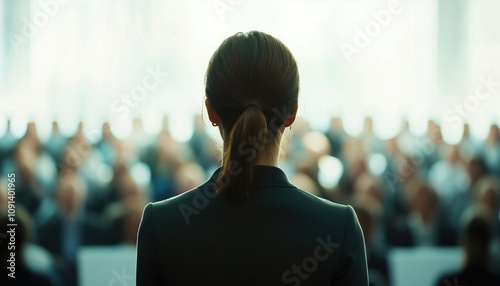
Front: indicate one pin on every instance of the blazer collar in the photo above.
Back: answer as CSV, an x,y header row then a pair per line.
x,y
264,176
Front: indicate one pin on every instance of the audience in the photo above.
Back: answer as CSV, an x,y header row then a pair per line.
x,y
24,272
477,238
90,190
378,268
69,227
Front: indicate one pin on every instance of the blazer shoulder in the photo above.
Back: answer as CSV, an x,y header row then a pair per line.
x,y
181,207
323,203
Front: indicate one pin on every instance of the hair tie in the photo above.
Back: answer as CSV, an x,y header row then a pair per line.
x,y
250,105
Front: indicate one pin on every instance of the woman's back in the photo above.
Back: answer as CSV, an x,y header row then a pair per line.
x,y
279,236
248,225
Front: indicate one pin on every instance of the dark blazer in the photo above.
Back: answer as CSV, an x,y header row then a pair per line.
x,y
470,277
280,236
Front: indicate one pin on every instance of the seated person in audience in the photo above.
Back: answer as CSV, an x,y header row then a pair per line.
x,y
202,145
492,149
354,160
476,246
98,201
28,185
458,203
23,274
124,219
488,195
121,215
70,227
304,182
7,142
335,135
449,175
424,225
56,143
367,211
3,195
368,188
187,176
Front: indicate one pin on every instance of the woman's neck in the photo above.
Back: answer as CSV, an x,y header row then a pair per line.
x,y
268,160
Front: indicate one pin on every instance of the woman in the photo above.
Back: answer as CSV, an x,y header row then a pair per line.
x,y
248,225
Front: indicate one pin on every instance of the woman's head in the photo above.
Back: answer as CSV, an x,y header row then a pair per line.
x,y
252,86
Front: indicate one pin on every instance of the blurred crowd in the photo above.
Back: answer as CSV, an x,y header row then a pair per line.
x,y
408,191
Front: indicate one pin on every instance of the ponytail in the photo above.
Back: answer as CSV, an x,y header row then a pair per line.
x,y
248,137
254,68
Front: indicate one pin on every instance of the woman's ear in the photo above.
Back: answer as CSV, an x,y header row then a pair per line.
x,y
291,117
212,115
